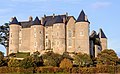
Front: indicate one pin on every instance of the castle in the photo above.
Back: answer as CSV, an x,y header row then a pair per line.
x,y
57,33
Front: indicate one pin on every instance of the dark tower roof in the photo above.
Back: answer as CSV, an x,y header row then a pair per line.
x,y
14,21
102,34
81,17
36,21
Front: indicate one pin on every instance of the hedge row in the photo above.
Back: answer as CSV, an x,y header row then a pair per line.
x,y
15,70
85,70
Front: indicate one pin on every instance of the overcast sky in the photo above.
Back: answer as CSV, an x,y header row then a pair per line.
x,y
103,14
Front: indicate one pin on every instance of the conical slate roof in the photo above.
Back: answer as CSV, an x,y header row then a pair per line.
x,y
14,21
36,21
102,34
81,17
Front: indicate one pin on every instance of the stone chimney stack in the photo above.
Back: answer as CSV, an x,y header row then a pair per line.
x,y
53,15
11,19
30,18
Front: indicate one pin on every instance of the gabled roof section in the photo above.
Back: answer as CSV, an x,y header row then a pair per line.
x,y
102,34
14,21
81,17
36,21
58,19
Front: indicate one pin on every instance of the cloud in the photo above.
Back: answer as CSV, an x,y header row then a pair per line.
x,y
99,5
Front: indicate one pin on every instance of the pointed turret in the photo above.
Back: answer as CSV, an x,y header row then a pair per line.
x,y
36,21
14,21
102,34
82,17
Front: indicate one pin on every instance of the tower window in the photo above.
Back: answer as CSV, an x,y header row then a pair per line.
x,y
69,42
46,37
69,33
11,35
81,33
40,32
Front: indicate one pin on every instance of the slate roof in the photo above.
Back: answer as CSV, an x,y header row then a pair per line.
x,y
14,21
81,17
36,21
102,34
26,24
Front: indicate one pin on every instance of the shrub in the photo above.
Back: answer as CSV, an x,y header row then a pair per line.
x,y
27,62
13,63
66,63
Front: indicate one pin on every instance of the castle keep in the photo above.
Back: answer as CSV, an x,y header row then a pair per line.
x,y
57,33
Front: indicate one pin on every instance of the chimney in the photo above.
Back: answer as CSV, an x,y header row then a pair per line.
x,y
86,18
53,15
11,19
44,16
30,18
66,13
42,20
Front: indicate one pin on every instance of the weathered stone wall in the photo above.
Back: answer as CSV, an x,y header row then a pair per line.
x,y
59,38
82,37
24,42
14,38
103,43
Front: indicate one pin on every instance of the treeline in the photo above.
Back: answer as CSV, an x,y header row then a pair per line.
x,y
106,62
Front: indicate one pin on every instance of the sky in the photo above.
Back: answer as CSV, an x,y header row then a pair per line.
x,y
103,14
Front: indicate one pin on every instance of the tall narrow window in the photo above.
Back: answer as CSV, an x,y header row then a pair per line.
x,y
69,33
11,34
81,33
69,42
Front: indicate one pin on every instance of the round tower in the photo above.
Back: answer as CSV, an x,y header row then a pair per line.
x,y
103,39
37,36
82,34
58,36
14,36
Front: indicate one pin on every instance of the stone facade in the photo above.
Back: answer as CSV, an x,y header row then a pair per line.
x,y
57,33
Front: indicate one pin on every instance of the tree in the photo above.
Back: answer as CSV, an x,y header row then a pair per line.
x,y
107,57
1,58
27,62
66,63
51,59
37,59
82,59
4,36
118,62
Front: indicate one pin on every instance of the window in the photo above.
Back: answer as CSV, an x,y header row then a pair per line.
x,y
35,35
20,41
69,42
57,33
11,42
81,33
11,35
69,33
40,32
35,45
46,44
46,37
